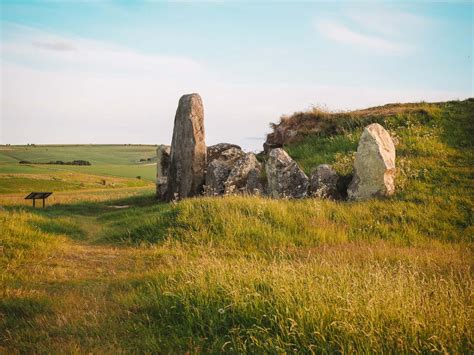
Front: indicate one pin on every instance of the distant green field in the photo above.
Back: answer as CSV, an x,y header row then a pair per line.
x,y
108,160
96,154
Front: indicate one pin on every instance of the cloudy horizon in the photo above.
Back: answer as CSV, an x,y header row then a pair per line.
x,y
110,72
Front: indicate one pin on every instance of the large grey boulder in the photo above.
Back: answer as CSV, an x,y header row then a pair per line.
x,y
215,151
217,173
162,167
188,150
374,166
323,182
244,176
284,176
218,170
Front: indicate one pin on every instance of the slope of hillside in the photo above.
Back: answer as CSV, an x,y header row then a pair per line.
x,y
254,275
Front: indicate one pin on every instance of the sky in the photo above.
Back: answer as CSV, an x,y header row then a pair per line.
x,y
113,71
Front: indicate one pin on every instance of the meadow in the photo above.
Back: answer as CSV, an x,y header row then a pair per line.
x,y
110,160
109,269
115,170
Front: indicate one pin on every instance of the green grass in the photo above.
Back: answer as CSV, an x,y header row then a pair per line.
x,y
96,154
255,275
330,302
111,160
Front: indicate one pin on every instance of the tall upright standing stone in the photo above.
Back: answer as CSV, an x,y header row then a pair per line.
x,y
188,150
374,166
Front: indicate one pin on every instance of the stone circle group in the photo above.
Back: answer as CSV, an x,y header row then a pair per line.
x,y
189,168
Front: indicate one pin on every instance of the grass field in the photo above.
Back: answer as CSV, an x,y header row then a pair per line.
x,y
109,269
108,160
114,172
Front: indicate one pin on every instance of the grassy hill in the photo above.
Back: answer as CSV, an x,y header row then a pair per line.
x,y
111,272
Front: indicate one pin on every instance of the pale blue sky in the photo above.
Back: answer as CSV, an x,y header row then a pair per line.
x,y
113,71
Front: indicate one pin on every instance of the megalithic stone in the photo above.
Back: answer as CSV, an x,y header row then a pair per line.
x,y
374,165
186,172
285,178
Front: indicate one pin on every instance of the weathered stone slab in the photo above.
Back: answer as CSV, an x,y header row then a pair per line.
x,y
217,173
324,181
374,166
243,177
188,150
162,167
219,168
284,176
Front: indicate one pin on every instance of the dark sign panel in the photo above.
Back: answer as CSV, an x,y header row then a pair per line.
x,y
38,196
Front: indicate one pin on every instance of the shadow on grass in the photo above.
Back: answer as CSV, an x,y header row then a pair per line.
x,y
60,226
24,307
148,225
130,221
458,124
89,209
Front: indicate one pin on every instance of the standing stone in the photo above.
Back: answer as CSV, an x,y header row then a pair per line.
x,y
188,150
285,178
162,167
374,166
324,181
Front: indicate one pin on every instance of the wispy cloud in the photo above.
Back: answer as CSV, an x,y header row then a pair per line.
x,y
101,92
343,34
54,46
381,29
75,54
388,21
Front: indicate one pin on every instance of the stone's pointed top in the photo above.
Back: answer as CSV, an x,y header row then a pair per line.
x,y
188,97
375,128
384,141
191,102
377,131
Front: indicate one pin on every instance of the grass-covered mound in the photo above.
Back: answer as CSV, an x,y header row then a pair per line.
x,y
433,200
250,274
